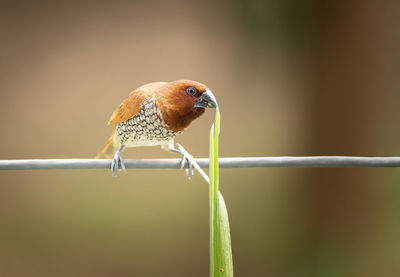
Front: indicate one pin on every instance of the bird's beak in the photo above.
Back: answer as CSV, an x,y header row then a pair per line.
x,y
206,100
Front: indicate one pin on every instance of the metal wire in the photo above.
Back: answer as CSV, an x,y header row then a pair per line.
x,y
316,161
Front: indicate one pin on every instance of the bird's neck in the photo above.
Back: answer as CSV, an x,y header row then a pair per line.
x,y
179,121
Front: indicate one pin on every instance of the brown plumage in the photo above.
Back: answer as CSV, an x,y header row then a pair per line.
x,y
155,113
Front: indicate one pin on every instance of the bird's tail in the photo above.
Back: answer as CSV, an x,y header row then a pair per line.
x,y
109,149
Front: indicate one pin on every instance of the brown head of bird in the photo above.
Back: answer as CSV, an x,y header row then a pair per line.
x,y
183,101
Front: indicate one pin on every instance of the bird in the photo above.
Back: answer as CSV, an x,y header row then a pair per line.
x,y
154,114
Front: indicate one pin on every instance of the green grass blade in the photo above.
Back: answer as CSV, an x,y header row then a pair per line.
x,y
221,263
211,204
225,249
220,240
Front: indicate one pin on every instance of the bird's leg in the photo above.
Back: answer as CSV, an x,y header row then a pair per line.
x,y
117,161
171,148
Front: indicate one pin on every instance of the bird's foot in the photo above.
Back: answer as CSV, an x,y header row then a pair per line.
x,y
116,162
189,171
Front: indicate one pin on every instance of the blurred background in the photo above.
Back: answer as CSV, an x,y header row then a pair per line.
x,y
292,78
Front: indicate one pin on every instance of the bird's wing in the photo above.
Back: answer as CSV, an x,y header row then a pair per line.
x,y
131,104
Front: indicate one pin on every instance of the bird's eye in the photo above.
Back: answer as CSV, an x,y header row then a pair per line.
x,y
191,91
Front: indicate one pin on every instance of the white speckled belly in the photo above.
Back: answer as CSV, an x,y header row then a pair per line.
x,y
146,128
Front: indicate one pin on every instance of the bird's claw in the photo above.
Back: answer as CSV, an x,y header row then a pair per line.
x,y
116,162
185,159
189,170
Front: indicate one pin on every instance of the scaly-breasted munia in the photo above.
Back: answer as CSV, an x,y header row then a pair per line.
x,y
154,114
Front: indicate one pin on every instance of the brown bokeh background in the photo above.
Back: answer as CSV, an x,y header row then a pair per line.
x,y
292,78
